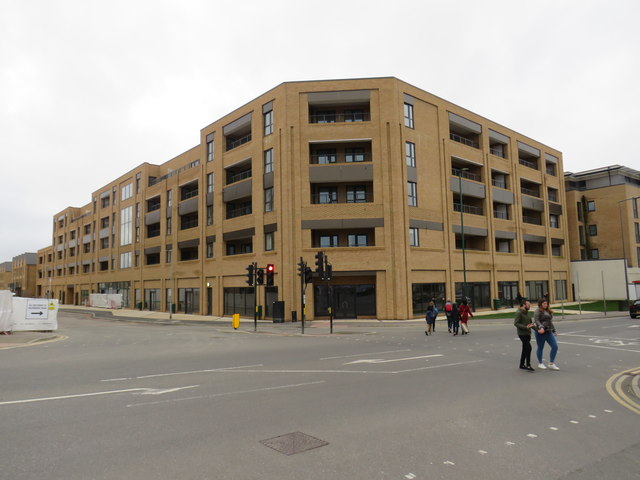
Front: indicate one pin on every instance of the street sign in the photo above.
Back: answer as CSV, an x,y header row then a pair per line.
x,y
37,308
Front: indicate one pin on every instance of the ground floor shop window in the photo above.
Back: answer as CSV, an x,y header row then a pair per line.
x,y
349,301
152,299
478,293
508,294
423,293
560,289
536,289
239,300
123,288
189,300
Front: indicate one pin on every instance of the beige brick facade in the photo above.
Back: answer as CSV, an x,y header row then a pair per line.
x,y
368,171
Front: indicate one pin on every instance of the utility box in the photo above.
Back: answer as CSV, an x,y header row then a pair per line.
x,y
277,311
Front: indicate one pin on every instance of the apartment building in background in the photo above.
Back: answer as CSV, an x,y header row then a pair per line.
x,y
6,282
388,180
23,274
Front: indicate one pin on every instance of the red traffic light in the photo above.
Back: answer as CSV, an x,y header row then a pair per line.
x,y
270,267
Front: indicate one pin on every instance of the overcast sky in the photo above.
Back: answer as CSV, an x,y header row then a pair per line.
x,y
90,89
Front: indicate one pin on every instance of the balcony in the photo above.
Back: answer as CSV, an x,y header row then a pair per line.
x,y
189,191
473,210
501,214
335,194
333,116
529,191
233,177
462,130
465,141
458,172
189,220
528,163
236,142
499,183
533,220
350,106
235,210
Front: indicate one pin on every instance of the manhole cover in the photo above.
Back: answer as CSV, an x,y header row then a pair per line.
x,y
293,443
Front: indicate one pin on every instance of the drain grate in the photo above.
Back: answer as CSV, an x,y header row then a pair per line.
x,y
292,443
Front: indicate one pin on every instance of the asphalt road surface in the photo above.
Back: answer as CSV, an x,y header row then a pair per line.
x,y
121,400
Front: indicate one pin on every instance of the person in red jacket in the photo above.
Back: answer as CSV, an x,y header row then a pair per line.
x,y
465,311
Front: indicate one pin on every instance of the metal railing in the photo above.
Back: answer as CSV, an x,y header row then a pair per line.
x,y
501,215
356,197
153,207
499,184
238,212
360,116
195,163
189,223
231,144
468,209
530,192
189,194
342,244
532,220
463,140
528,163
497,153
457,172
238,176
551,170
329,158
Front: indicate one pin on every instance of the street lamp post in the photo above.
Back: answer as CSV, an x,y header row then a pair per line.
x,y
464,258
624,250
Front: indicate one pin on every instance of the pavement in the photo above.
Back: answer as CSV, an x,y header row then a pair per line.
x,y
316,327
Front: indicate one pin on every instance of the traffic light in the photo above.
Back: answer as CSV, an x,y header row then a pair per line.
x,y
328,274
250,274
301,267
259,276
270,272
308,275
320,264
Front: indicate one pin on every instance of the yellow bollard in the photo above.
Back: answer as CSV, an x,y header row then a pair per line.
x,y
235,322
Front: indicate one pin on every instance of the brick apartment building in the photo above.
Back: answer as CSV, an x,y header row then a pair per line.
x,y
369,171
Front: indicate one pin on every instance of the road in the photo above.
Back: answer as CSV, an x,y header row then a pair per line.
x,y
125,400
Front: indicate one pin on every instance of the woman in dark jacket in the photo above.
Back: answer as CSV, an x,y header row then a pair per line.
x,y
545,332
524,325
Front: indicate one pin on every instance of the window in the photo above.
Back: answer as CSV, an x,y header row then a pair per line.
x,y
327,241
86,248
268,242
169,225
210,151
126,223
104,242
408,115
357,240
410,153
209,249
125,260
354,115
190,220
354,155
137,183
104,202
188,253
414,237
127,191
87,229
327,156
591,205
553,221
638,252
595,254
579,209
169,198
153,230
635,207
209,214
268,161
268,122
593,230
556,250
581,234
268,199
637,230
168,254
326,116
504,245
560,289
104,222
412,189
553,194
209,182
356,194
328,195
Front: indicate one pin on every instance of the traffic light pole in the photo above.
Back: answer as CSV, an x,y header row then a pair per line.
x,y
303,287
255,297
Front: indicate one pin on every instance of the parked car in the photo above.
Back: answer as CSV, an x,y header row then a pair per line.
x,y
634,309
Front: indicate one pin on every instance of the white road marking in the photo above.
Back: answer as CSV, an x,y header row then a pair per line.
x,y
532,435
510,444
379,360
575,422
438,366
447,462
482,452
600,346
161,391
609,411
117,379
239,392
93,394
554,428
592,416
364,354
410,476
224,369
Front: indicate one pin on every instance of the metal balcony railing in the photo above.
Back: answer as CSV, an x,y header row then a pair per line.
x,y
530,192
356,197
329,158
238,212
497,153
501,215
499,184
468,209
532,220
528,163
231,144
464,174
153,206
464,141
189,194
238,176
359,116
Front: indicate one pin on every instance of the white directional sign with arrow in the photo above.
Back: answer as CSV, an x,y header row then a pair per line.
x,y
37,308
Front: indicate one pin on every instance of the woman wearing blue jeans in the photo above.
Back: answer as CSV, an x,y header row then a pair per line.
x,y
545,332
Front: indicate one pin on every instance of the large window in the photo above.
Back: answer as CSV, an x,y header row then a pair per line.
x,y
357,240
423,293
189,300
328,195
239,300
328,241
127,191
477,292
536,289
508,294
268,161
412,194
125,260
268,242
410,153
356,194
349,301
268,122
408,115
414,237
560,289
210,151
126,224
354,155
268,199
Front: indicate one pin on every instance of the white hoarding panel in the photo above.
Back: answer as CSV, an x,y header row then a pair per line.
x,y
6,307
34,314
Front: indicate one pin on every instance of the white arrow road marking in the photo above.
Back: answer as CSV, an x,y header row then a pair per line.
x,y
161,391
380,360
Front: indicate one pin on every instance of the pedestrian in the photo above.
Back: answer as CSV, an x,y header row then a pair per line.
x,y
432,314
545,332
448,307
464,310
524,325
455,319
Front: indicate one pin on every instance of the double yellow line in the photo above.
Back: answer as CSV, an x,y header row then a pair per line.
x,y
616,389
